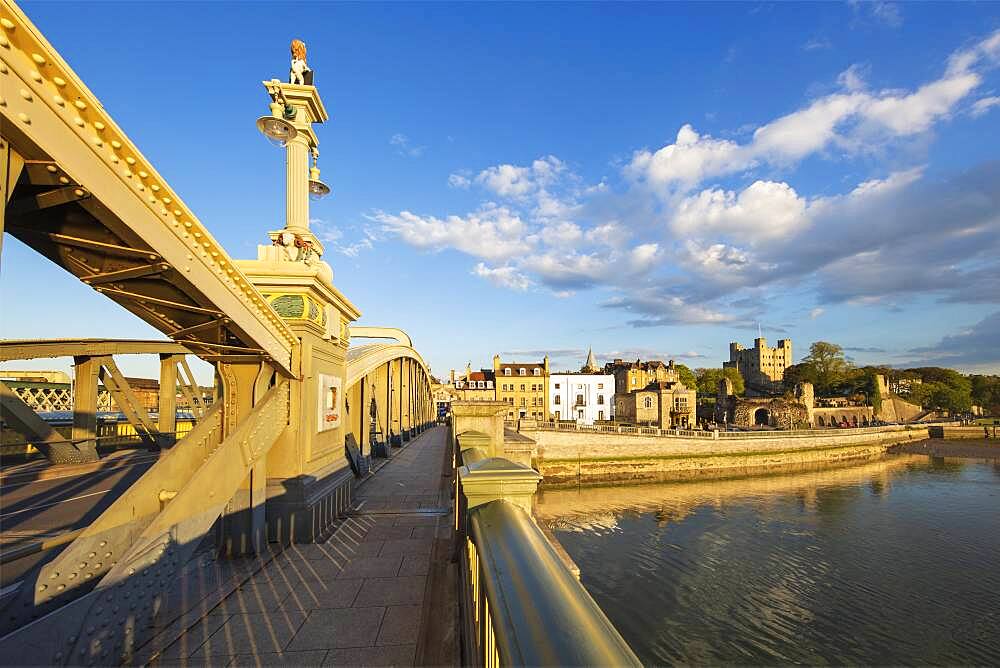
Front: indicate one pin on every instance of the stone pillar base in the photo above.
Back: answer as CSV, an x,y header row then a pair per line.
x,y
302,509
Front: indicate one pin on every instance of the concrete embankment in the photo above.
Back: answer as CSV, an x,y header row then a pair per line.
x,y
568,455
965,448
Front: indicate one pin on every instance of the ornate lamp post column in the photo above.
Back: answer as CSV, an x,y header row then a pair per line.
x,y
307,475
295,107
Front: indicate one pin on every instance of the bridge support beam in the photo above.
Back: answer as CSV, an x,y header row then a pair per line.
x,y
243,527
167,419
84,432
405,400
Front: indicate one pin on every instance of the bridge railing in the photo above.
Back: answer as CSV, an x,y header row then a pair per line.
x,y
521,605
525,607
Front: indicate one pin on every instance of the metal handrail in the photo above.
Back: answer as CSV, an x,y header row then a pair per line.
x,y
527,609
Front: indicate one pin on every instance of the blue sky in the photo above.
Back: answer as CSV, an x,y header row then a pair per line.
x,y
649,180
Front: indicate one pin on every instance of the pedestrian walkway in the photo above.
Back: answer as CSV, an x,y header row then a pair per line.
x,y
361,597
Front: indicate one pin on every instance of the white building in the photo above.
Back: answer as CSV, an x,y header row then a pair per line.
x,y
581,397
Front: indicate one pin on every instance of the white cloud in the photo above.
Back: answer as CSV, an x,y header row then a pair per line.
x,y
762,211
516,182
505,277
574,270
982,105
816,312
654,308
853,78
855,120
562,235
405,147
816,44
689,160
459,181
887,13
492,233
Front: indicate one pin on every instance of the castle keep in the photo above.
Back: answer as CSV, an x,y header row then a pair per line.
x,y
762,368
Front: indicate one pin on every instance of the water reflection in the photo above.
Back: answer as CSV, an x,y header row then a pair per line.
x,y
893,561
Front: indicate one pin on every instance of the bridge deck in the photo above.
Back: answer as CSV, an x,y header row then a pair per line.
x,y
369,595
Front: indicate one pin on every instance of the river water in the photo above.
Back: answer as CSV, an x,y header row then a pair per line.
x,y
895,561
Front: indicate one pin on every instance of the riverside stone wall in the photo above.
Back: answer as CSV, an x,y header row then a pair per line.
x,y
571,455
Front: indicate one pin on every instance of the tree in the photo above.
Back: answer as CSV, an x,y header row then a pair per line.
x,y
944,389
830,365
686,375
986,393
803,372
708,381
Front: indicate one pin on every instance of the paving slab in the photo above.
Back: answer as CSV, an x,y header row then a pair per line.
x,y
329,594
407,589
312,658
392,655
333,629
373,567
415,564
400,626
257,632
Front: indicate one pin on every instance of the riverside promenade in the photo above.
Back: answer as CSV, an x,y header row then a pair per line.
x,y
379,591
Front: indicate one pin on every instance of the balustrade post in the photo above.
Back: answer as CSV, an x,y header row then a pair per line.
x,y
167,404
84,432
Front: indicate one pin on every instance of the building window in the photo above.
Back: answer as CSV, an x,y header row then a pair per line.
x,y
522,372
489,384
558,400
648,402
522,388
579,400
538,372
600,399
524,402
480,384
600,386
557,386
506,372
557,416
600,415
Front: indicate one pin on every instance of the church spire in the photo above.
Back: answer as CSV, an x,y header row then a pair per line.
x,y
591,365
